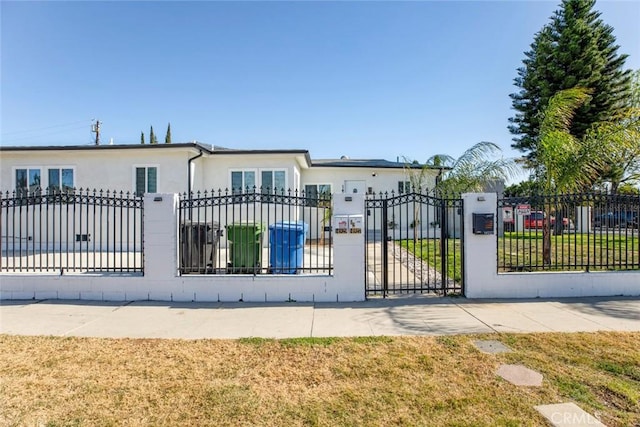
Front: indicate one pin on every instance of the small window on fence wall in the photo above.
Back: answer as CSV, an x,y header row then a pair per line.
x,y
146,180
318,195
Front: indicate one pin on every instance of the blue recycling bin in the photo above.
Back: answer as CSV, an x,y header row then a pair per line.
x,y
287,246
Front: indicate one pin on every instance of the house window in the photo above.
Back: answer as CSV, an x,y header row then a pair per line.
x,y
404,187
60,179
28,180
242,180
318,195
146,180
273,181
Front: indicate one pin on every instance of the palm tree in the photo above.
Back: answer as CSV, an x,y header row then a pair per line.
x,y
474,170
564,163
618,140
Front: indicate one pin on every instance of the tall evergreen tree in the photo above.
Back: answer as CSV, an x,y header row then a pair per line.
x,y
152,137
167,138
141,137
575,49
634,99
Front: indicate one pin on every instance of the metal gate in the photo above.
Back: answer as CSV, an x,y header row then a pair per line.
x,y
413,244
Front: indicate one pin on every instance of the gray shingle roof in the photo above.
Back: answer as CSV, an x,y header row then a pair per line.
x,y
364,163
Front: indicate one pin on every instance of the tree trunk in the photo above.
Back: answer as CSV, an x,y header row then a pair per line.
x,y
546,241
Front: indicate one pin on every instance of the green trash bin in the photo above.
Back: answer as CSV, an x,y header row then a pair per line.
x,y
245,247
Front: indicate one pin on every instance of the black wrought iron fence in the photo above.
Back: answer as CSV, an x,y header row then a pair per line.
x,y
414,243
71,230
584,232
255,231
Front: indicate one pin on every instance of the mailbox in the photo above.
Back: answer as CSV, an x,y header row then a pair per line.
x,y
348,224
341,224
355,224
483,223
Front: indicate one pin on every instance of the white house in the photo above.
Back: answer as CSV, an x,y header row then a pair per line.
x,y
183,167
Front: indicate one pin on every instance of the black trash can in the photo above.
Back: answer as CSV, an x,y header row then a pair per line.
x,y
198,244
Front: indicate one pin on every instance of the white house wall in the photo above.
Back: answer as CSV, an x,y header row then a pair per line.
x,y
379,179
103,169
113,168
214,171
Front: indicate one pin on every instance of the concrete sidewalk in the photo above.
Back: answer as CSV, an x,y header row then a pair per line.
x,y
420,315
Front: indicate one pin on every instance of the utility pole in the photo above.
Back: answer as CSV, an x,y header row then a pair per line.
x,y
96,129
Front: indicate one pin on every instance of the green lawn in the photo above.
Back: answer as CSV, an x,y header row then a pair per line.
x,y
619,250
570,251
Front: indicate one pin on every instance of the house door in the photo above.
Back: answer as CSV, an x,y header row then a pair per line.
x,y
351,187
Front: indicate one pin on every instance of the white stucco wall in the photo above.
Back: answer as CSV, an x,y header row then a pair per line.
x,y
481,279
162,282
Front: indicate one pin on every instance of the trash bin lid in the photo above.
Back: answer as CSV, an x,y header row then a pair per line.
x,y
290,225
257,227
214,225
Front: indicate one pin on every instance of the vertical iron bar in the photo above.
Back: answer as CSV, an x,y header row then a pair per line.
x,y
462,246
443,244
385,251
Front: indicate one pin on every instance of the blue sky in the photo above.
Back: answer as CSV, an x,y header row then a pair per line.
x,y
363,79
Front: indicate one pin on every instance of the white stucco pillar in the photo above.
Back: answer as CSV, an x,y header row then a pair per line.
x,y
348,246
160,236
480,250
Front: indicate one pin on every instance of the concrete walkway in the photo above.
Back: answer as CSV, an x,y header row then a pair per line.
x,y
419,315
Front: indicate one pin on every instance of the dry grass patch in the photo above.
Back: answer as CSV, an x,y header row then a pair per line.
x,y
359,381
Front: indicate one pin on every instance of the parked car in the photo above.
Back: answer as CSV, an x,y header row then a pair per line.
x,y
536,220
628,219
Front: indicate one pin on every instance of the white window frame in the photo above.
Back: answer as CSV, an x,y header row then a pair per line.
x,y
27,168
59,168
146,174
243,170
44,174
273,170
258,176
317,184
406,187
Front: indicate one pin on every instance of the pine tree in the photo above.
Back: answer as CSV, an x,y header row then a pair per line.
x,y
576,49
142,138
152,137
167,138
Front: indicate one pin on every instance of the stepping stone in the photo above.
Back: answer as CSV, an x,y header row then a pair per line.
x,y
491,346
520,375
567,414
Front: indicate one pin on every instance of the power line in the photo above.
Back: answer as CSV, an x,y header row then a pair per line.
x,y
22,138
45,128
